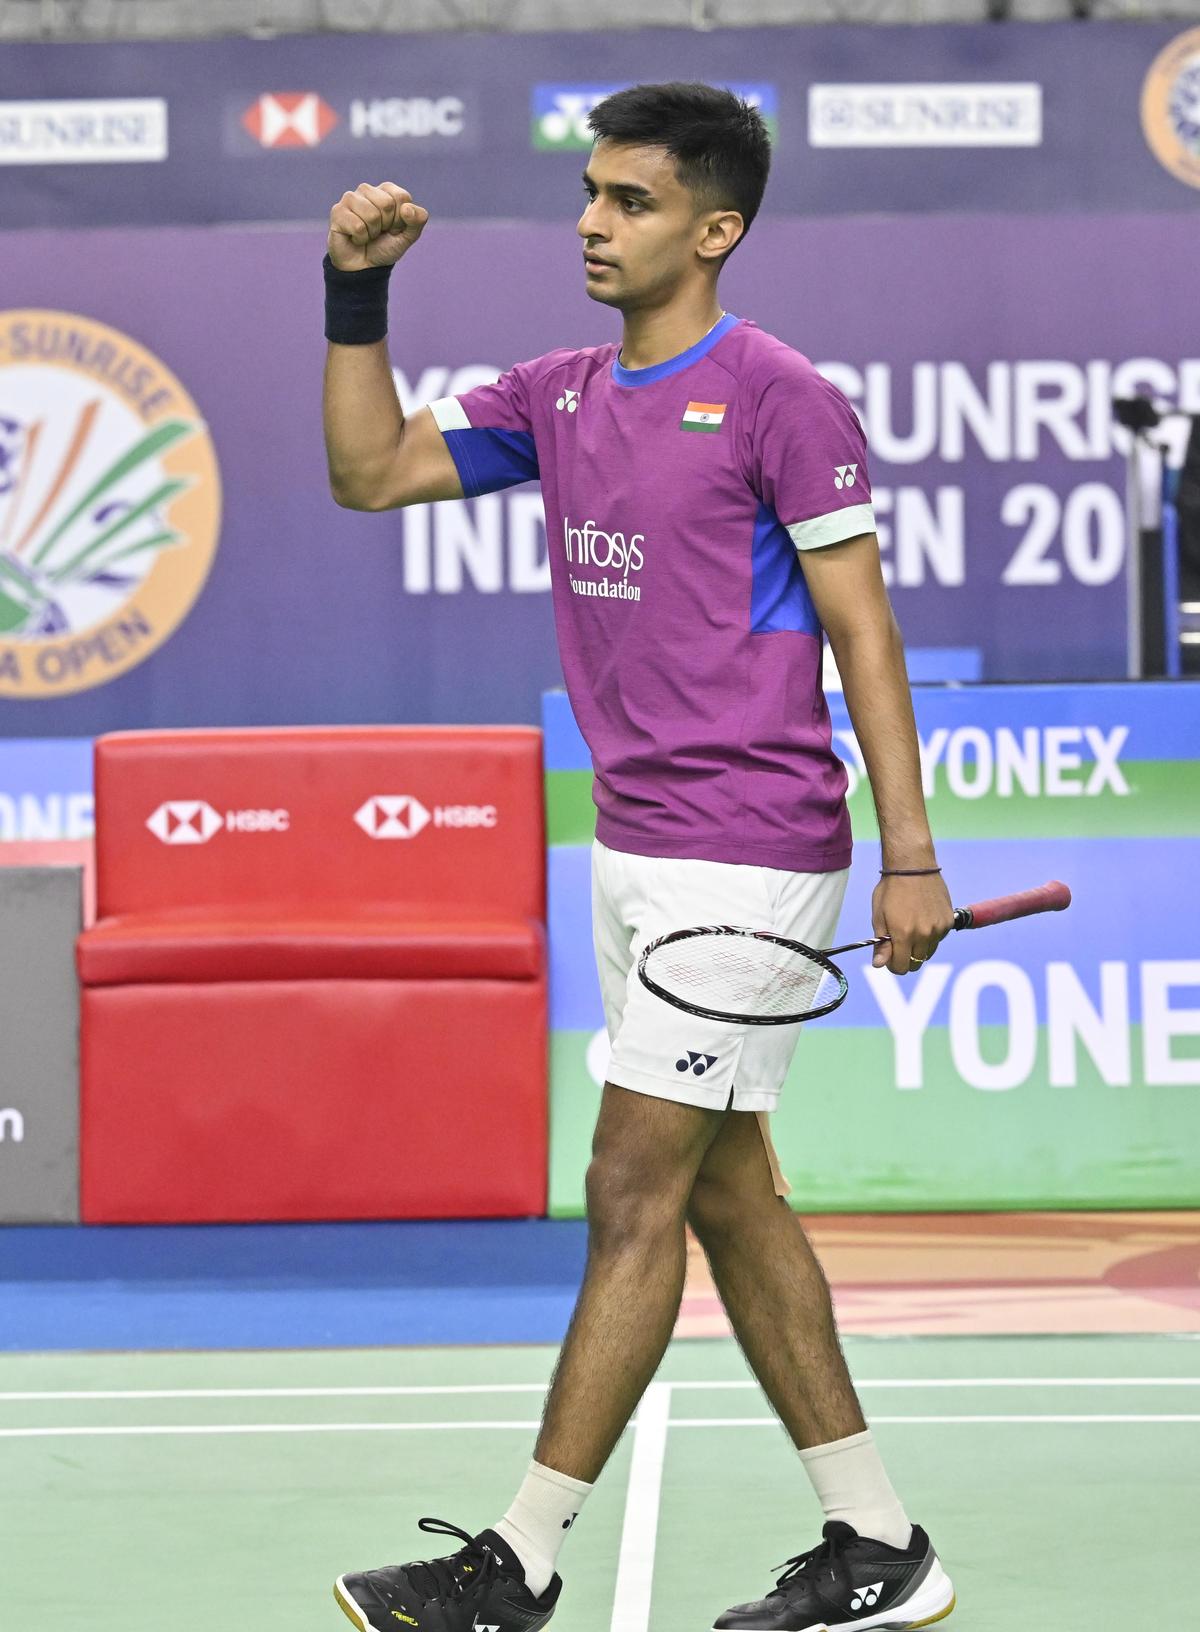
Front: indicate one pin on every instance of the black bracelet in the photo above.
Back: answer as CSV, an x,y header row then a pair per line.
x,y
355,304
907,872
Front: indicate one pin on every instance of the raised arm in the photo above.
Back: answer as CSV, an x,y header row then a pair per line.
x,y
378,459
846,584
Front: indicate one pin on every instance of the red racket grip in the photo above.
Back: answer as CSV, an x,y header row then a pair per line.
x,y
1052,897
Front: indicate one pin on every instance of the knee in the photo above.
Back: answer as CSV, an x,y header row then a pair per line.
x,y
630,1201
715,1207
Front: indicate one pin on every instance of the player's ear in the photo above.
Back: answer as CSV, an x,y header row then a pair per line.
x,y
722,229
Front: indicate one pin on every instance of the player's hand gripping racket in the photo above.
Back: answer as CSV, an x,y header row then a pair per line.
x,y
752,977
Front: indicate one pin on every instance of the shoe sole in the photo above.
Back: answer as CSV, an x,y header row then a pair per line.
x,y
928,1604
348,1607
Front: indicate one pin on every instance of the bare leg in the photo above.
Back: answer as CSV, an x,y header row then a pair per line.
x,y
644,1161
774,1290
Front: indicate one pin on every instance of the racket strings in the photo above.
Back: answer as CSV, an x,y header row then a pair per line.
x,y
753,977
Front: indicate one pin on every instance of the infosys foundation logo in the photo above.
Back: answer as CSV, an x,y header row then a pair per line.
x,y
615,553
401,816
592,546
1171,107
110,503
559,113
193,821
289,119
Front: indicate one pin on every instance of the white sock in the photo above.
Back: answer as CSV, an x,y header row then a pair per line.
x,y
536,1524
851,1483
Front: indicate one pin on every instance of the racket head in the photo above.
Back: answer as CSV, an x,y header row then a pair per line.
x,y
746,977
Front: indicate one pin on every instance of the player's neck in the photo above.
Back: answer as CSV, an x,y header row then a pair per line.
x,y
652,337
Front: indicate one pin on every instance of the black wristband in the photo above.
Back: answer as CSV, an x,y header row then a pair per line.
x,y
907,872
355,304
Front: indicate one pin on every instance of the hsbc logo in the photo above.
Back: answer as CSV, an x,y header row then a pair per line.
x,y
400,816
392,816
192,821
185,821
304,119
289,119
392,117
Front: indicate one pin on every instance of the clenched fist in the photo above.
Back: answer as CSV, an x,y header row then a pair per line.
x,y
374,226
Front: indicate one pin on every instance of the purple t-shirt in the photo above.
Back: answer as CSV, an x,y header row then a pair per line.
x,y
676,500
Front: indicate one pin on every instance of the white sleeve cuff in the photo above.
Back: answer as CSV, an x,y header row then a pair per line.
x,y
449,415
834,528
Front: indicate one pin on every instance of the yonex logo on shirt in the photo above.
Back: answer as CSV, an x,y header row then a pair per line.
x,y
569,400
845,475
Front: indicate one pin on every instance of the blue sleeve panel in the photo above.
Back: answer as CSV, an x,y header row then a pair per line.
x,y
489,460
779,597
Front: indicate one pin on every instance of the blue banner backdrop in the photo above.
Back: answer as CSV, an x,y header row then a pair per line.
x,y
1028,117
981,353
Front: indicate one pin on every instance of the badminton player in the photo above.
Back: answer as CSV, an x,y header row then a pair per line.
x,y
709,519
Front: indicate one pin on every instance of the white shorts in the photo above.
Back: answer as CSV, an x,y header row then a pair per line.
x,y
658,1049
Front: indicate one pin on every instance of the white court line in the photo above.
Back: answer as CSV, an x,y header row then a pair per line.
x,y
771,1422
990,1382
651,1433
383,1391
639,1533
115,1430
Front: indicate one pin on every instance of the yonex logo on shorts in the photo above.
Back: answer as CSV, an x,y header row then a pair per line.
x,y
845,475
697,1064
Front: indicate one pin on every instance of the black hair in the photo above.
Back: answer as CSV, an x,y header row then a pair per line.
x,y
720,144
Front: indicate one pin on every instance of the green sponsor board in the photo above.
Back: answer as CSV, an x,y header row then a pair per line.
x,y
1048,1063
1149,798
848,1139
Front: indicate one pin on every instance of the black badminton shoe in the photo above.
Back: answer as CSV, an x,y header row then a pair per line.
x,y
848,1584
480,1588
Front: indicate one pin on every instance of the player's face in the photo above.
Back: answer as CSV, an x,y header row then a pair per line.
x,y
642,232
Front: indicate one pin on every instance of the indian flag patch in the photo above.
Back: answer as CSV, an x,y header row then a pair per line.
x,y
703,416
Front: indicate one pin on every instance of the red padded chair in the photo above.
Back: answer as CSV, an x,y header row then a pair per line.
x,y
316,986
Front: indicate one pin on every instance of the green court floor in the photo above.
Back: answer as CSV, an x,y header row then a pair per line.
x,y
1058,1477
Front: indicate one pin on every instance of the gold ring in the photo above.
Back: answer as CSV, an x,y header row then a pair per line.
x,y
916,962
